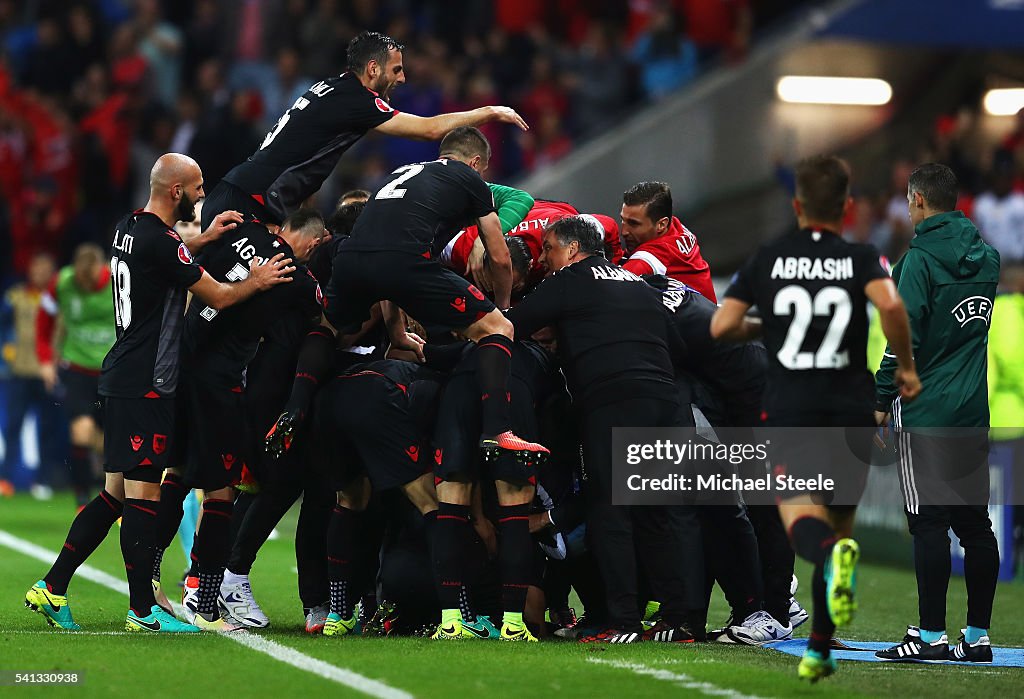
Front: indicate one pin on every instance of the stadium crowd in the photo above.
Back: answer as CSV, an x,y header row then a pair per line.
x,y
438,364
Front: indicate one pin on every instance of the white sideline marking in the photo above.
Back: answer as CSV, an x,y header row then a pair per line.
x,y
277,651
677,678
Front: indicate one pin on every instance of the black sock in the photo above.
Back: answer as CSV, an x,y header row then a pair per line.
x,y
257,524
812,540
169,512
492,371
80,468
315,362
515,554
138,525
211,549
449,535
87,531
341,550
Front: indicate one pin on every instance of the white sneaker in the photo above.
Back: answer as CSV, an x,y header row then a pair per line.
x,y
797,613
757,629
794,585
190,599
238,604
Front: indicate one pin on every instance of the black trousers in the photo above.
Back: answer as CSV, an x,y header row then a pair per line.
x,y
665,539
945,485
731,558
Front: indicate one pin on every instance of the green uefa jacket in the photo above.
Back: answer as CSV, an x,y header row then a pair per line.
x,y
88,318
948,281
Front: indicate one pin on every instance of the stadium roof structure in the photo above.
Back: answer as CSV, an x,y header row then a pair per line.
x,y
983,24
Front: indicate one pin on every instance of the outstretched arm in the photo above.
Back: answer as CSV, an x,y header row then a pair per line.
x,y
434,128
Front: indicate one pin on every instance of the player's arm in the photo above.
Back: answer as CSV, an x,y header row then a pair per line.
x,y
732,324
401,338
222,223
47,327
512,206
542,307
499,262
219,295
434,128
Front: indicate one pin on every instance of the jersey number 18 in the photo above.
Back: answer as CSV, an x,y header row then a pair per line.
x,y
121,281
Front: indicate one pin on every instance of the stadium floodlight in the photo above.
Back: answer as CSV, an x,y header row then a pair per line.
x,y
809,89
1005,101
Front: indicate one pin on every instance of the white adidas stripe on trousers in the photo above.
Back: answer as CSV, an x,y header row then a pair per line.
x,y
908,484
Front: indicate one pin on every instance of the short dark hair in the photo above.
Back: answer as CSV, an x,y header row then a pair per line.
x,y
465,142
370,46
519,252
823,186
343,219
937,184
580,230
656,197
305,221
356,195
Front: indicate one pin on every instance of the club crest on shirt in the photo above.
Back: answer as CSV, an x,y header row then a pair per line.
x,y
382,105
184,256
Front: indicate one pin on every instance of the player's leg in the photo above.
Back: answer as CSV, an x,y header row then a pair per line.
x,y
973,527
315,362
342,548
451,534
90,526
79,406
515,552
170,512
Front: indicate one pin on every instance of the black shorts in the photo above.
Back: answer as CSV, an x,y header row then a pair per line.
x,y
228,197
808,447
426,291
457,434
214,445
139,437
361,424
80,393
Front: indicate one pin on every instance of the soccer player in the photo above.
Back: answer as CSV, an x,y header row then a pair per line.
x,y
948,280
370,432
388,256
655,242
76,317
812,289
615,346
458,472
309,139
746,549
151,271
214,447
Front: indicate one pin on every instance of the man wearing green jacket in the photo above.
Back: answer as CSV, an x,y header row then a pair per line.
x,y
948,281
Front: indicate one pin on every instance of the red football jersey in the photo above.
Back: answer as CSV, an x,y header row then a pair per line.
x,y
677,255
456,254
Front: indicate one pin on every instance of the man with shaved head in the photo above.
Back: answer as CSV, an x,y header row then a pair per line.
x,y
151,269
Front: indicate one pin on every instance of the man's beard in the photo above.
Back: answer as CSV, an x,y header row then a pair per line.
x,y
186,209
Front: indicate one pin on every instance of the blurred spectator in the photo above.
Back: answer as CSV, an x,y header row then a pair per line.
x,y
599,80
204,37
719,27
160,43
547,143
896,216
869,225
51,49
667,59
25,390
287,85
545,94
999,212
85,40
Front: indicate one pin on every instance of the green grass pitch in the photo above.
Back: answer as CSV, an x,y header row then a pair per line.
x,y
120,665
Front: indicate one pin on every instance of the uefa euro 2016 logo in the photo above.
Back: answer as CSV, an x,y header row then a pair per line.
x,y
973,308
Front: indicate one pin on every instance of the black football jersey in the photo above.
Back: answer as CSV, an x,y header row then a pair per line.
x,y
150,270
615,338
421,203
809,288
220,344
307,142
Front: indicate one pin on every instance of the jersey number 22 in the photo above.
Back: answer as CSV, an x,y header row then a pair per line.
x,y
831,302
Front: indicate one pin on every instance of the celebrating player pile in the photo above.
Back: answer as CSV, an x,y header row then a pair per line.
x,y
439,368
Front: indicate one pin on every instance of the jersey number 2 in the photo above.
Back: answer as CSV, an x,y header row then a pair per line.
x,y
405,173
121,280
832,301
